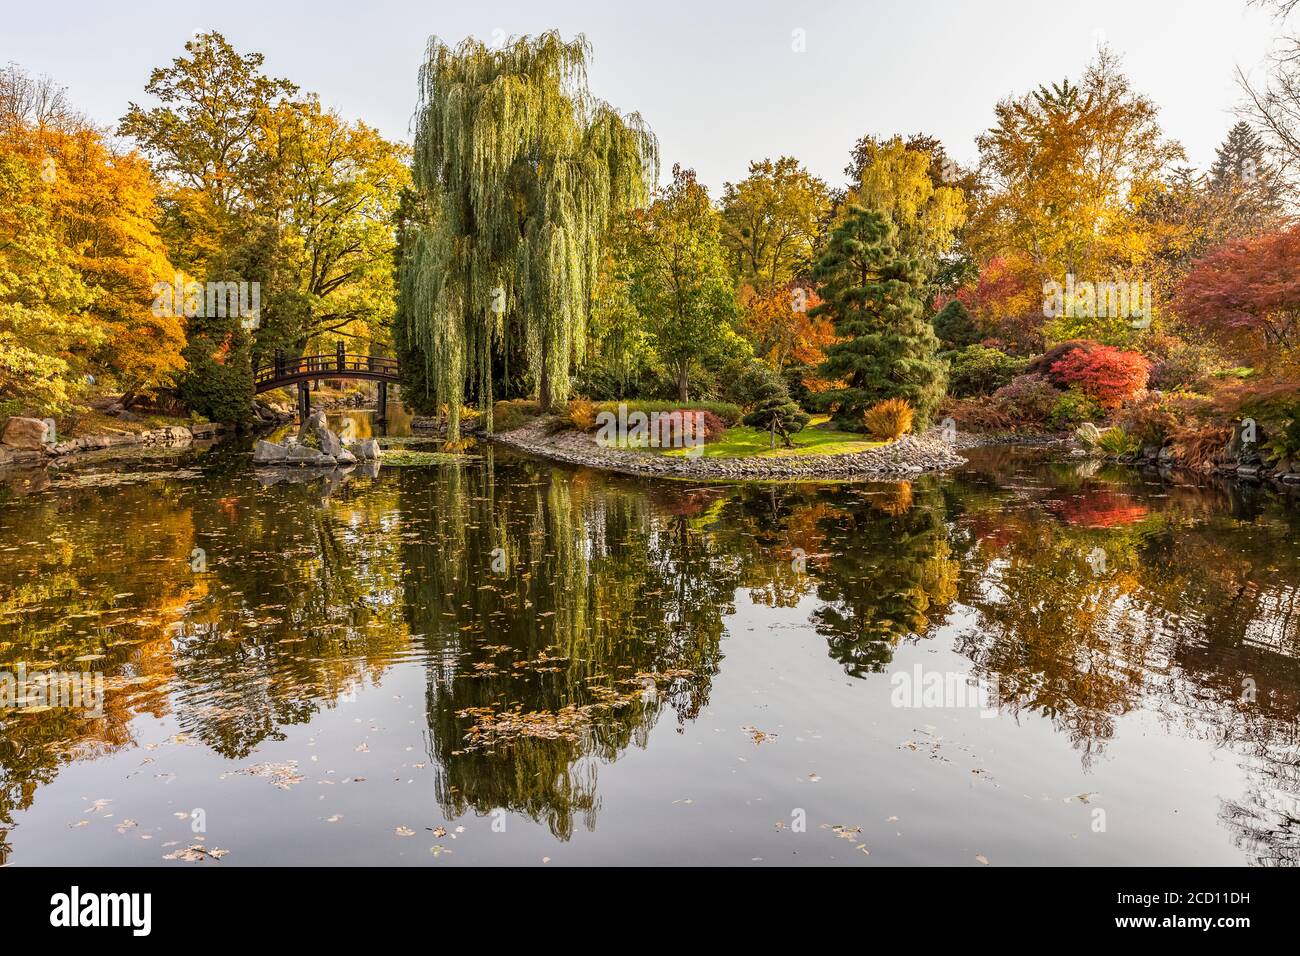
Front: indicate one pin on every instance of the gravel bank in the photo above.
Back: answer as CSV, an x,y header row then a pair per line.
x,y
907,457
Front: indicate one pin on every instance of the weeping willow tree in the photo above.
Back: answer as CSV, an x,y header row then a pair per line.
x,y
517,170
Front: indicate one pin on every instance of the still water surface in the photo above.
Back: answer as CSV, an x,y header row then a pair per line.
x,y
508,661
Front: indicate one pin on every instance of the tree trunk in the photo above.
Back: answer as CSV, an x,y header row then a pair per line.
x,y
771,441
683,392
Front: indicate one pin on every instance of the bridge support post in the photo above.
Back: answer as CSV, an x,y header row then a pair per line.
x,y
304,402
383,402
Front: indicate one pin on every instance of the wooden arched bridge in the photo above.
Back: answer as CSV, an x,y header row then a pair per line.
x,y
284,372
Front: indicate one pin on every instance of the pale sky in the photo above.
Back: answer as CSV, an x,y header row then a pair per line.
x,y
720,83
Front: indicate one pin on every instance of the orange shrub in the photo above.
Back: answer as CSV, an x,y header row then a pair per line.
x,y
888,419
582,414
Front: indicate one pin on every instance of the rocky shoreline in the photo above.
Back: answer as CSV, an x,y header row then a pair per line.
x,y
25,444
907,457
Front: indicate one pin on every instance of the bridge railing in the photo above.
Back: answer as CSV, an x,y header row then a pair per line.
x,y
323,366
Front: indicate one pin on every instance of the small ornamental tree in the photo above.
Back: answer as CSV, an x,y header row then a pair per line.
x,y
955,327
1107,375
776,411
1248,293
887,347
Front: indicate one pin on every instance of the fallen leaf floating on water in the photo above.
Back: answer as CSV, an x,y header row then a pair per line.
x,y
982,858
756,735
196,852
404,831
282,775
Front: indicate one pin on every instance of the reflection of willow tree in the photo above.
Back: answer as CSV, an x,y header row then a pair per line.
x,y
301,607
604,609
889,573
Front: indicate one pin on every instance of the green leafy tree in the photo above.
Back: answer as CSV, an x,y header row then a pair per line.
x,y
678,280
44,336
770,223
206,134
886,348
264,186
325,215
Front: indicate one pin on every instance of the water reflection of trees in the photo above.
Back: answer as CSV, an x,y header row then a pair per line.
x,y
875,556
600,599
1193,616
295,605
612,597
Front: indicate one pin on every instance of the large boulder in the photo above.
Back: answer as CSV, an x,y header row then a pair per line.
x,y
315,433
30,433
265,452
367,450
300,454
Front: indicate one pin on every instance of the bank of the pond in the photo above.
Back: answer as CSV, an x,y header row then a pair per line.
x,y
25,446
906,457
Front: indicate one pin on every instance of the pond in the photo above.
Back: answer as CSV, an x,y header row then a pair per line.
x,y
502,660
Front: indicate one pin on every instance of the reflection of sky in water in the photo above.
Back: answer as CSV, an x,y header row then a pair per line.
x,y
652,678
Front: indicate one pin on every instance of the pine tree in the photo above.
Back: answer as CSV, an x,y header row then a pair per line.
x,y
887,348
955,327
774,409
1245,189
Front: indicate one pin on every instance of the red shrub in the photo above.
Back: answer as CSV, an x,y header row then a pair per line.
x,y
1106,374
691,418
1026,399
1042,364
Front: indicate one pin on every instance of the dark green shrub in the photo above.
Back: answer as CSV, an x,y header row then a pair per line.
x,y
977,370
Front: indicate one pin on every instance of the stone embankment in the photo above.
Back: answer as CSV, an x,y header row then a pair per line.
x,y
33,440
908,457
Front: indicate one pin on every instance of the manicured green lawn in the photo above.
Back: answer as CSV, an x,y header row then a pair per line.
x,y
741,441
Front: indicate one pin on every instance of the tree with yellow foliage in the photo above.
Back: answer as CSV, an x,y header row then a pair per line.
x,y
1071,170
84,255
898,182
